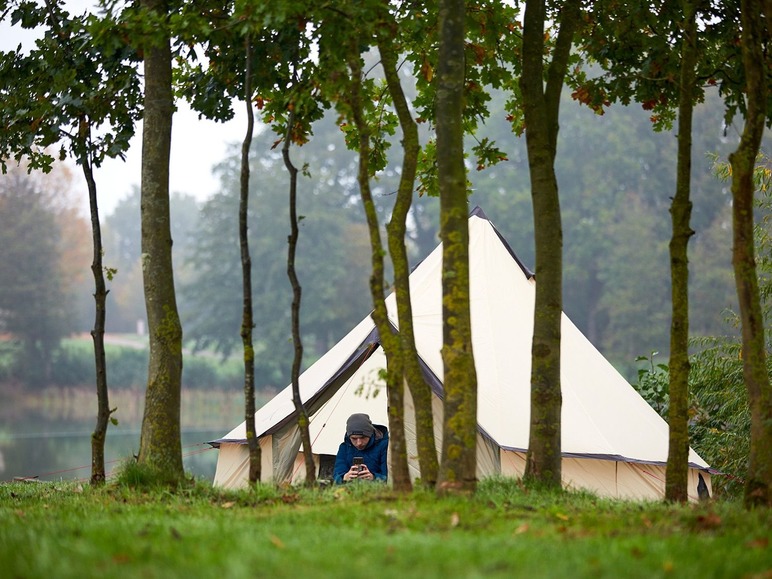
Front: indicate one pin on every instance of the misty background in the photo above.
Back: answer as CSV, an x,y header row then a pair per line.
x,y
616,179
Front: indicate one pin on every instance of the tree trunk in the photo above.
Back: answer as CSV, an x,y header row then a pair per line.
x,y
390,342
676,482
160,440
300,409
98,334
758,482
458,468
541,107
247,319
397,230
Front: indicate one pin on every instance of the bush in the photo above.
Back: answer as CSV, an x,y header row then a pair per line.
x,y
719,416
206,372
127,367
73,365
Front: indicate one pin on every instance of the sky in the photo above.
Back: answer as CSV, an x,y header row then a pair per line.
x,y
197,145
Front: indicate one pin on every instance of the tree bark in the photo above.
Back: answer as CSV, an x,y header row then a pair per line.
x,y
300,409
458,467
99,435
758,482
390,342
160,440
397,230
247,318
541,107
676,482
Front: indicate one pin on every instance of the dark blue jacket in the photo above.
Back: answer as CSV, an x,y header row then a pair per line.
x,y
374,455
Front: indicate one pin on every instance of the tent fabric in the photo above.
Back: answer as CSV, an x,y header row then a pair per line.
x,y
614,443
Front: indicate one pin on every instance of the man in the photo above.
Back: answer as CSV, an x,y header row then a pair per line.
x,y
362,454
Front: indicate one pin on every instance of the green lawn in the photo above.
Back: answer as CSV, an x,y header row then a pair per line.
x,y
65,530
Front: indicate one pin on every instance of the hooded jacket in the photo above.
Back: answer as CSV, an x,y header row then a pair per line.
x,y
374,455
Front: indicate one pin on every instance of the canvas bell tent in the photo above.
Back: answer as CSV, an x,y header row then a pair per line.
x,y
614,443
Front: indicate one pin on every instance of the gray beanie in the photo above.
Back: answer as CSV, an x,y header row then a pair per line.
x,y
359,424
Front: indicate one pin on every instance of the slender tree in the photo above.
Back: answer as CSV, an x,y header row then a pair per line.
x,y
77,86
541,107
277,54
676,487
247,321
755,35
300,409
396,230
457,472
390,341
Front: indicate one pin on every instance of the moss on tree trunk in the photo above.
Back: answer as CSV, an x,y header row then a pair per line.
x,y
758,482
459,444
160,441
396,230
541,107
676,483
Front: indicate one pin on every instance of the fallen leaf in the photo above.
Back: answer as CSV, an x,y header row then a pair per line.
x,y
760,543
561,516
709,521
668,566
290,498
278,543
522,529
454,520
228,505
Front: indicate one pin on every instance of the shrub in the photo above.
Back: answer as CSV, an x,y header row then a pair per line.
x,y
200,373
720,420
719,416
73,365
127,367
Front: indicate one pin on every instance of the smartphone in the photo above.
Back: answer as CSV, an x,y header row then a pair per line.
x,y
358,461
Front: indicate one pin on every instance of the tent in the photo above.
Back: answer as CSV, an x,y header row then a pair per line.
x,y
613,442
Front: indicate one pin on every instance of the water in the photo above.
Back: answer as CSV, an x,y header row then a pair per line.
x,y
48,436
53,456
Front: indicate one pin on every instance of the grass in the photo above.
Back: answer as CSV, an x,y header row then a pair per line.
x,y
67,530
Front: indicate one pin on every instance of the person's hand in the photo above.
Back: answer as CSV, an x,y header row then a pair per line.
x,y
352,474
360,472
365,473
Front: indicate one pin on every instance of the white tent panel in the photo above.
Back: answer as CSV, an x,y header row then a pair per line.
x,y
310,383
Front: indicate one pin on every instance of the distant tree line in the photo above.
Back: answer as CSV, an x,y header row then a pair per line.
x,y
617,288
616,244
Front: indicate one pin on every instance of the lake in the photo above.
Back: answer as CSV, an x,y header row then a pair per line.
x,y
48,434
